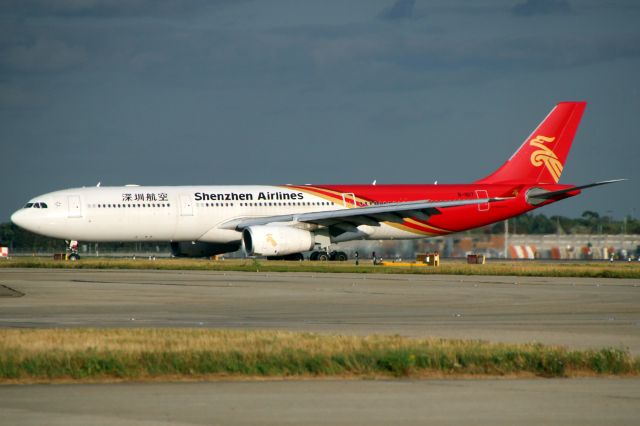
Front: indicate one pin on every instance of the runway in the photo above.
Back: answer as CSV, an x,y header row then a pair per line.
x,y
579,313
406,402
576,312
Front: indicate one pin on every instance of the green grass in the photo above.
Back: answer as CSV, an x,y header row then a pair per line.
x,y
546,269
28,356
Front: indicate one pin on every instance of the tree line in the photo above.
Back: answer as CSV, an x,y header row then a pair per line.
x,y
21,240
590,222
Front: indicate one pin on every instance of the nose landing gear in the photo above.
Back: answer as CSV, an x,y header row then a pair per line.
x,y
72,250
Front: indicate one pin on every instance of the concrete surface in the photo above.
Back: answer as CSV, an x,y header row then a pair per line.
x,y
577,312
569,311
405,402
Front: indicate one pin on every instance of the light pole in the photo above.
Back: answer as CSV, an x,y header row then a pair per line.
x,y
506,238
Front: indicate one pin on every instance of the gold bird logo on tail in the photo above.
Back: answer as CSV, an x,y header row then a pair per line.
x,y
544,155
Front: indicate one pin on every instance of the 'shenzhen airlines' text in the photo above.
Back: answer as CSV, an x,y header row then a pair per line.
x,y
247,196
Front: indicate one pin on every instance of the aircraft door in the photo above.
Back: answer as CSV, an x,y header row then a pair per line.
x,y
349,198
75,207
186,205
482,193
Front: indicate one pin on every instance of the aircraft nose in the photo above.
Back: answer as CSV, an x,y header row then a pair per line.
x,y
19,219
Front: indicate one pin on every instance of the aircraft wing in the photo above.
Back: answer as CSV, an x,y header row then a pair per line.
x,y
367,215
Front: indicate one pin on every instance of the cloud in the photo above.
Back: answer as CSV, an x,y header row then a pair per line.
x,y
550,53
542,7
103,8
43,55
401,9
12,96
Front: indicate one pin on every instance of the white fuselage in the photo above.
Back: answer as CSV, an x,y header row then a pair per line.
x,y
171,213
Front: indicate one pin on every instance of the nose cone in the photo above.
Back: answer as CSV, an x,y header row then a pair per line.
x,y
19,218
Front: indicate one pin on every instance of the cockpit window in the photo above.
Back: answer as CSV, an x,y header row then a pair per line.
x,y
36,205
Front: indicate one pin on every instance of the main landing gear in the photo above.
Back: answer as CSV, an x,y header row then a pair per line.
x,y
324,256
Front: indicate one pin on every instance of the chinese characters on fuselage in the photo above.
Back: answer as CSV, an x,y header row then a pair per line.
x,y
145,196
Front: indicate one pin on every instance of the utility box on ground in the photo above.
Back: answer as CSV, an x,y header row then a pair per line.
x,y
478,259
431,259
423,260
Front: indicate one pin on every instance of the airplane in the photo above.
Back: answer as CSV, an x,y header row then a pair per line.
x,y
285,221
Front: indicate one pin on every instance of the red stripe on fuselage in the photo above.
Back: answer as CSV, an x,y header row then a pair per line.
x,y
450,219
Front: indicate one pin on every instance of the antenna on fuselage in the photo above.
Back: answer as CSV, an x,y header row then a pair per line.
x,y
374,181
98,185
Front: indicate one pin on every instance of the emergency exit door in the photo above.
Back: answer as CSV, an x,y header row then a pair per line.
x,y
349,199
186,205
482,193
75,208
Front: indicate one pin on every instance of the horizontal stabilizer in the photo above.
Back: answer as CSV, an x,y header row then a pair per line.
x,y
553,194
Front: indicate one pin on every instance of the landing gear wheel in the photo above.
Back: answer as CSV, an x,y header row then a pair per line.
x,y
314,255
323,256
341,256
74,256
294,256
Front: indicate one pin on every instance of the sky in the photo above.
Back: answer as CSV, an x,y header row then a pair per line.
x,y
180,92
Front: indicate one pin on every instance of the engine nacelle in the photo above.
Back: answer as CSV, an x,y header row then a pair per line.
x,y
199,249
276,240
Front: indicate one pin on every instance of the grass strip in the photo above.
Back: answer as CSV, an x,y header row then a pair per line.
x,y
154,354
541,269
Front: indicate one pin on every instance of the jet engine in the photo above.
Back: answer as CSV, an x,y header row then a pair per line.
x,y
199,249
276,240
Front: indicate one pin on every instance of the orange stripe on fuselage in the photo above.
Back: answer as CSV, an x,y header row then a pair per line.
x,y
329,194
409,224
410,229
418,222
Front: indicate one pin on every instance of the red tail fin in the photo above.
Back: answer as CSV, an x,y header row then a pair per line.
x,y
541,157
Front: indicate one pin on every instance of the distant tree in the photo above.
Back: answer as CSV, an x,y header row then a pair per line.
x,y
541,224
